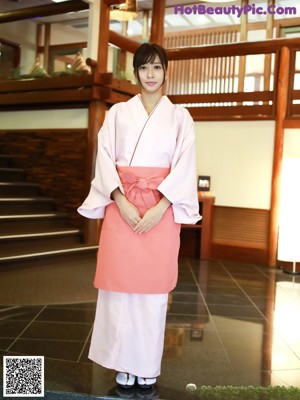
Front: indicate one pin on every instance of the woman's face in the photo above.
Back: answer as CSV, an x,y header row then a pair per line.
x,y
151,75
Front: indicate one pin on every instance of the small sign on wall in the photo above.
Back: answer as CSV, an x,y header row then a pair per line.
x,y
203,183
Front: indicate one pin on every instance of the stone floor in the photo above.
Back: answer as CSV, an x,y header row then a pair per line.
x,y
228,323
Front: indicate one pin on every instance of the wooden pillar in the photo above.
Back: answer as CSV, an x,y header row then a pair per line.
x,y
47,38
39,39
103,37
268,57
96,117
157,26
281,109
243,38
97,109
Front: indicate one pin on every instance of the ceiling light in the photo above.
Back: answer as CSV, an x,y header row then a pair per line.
x,y
125,12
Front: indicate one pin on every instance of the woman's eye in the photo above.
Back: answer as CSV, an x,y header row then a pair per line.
x,y
142,67
157,66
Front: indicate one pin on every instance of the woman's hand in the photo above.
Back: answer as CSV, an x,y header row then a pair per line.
x,y
152,216
128,211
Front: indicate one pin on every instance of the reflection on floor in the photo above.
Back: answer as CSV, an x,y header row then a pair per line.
x,y
228,324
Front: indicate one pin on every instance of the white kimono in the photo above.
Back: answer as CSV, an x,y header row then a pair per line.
x,y
166,141
129,328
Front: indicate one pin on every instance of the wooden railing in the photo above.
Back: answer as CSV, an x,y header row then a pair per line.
x,y
206,80
199,83
202,75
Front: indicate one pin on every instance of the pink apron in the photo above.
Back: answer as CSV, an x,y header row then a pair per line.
x,y
144,263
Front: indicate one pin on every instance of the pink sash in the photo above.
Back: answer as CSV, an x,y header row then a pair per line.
x,y
138,263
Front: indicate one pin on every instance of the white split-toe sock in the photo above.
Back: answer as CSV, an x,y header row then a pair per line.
x,y
145,382
125,380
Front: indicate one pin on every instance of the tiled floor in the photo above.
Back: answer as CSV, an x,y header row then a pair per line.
x,y
228,324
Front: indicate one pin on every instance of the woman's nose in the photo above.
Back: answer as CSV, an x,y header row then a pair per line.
x,y
150,72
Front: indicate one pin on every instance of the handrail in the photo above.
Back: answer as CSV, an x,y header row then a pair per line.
x,y
233,49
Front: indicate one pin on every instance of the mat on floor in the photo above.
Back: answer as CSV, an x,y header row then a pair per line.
x,y
245,393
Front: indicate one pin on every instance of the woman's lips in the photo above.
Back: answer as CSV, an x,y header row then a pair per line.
x,y
150,83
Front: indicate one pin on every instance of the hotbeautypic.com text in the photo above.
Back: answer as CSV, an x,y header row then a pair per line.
x,y
202,9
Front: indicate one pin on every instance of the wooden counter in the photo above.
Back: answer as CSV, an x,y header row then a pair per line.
x,y
196,240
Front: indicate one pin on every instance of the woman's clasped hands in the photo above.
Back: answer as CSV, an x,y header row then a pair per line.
x,y
131,215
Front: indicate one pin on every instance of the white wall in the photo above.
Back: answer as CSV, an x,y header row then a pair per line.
x,y
291,147
238,156
23,33
45,119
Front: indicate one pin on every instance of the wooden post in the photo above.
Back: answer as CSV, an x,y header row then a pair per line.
x,y
243,38
103,37
281,108
268,57
96,117
97,109
157,25
47,35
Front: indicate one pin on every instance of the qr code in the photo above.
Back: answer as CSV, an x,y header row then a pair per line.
x,y
23,376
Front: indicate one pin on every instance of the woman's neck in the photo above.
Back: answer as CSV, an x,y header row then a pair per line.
x,y
150,100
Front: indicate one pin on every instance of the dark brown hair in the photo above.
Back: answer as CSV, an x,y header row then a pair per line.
x,y
146,53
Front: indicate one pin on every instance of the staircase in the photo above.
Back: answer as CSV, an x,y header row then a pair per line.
x,y
31,231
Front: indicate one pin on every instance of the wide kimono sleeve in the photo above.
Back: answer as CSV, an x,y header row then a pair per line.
x,y
106,178
180,186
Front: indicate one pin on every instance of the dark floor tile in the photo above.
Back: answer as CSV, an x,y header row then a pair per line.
x,y
5,343
195,335
227,299
76,306
19,313
186,288
88,378
12,329
187,320
233,325
187,297
67,315
57,331
196,309
223,284
57,349
187,362
235,311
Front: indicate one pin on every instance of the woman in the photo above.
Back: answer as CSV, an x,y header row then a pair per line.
x,y
145,187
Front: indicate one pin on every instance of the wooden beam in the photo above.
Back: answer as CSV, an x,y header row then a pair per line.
x,y
291,124
123,42
232,49
157,26
114,2
281,107
43,11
